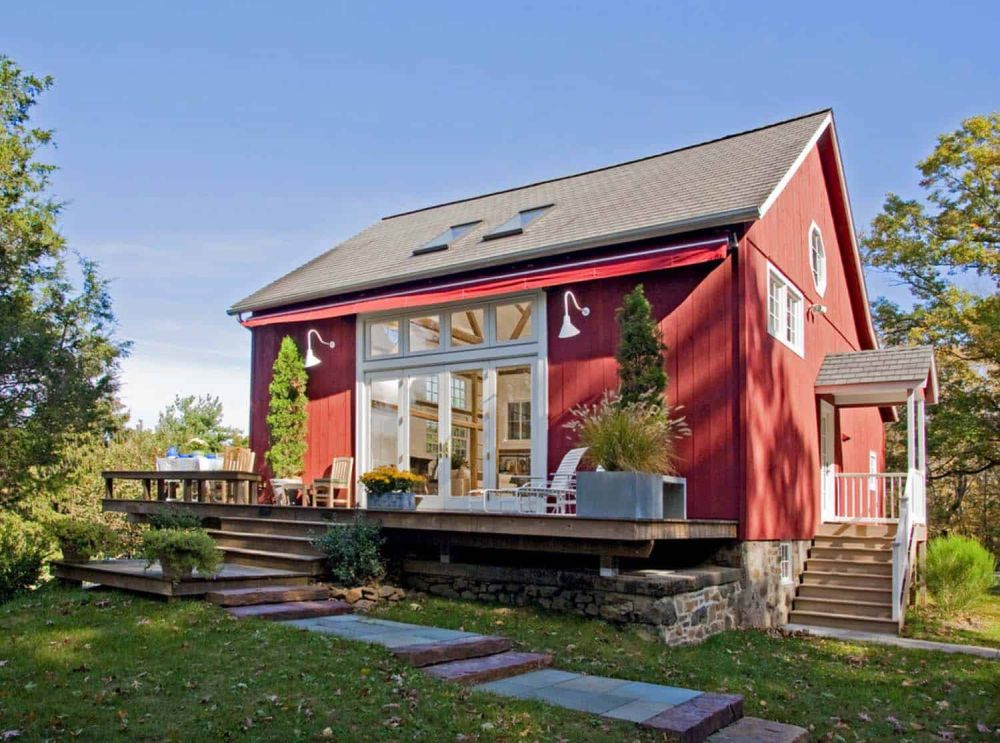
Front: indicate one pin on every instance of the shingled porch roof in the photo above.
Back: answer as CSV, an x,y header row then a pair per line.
x,y
882,377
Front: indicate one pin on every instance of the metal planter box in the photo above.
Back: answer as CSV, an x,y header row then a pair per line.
x,y
619,495
395,501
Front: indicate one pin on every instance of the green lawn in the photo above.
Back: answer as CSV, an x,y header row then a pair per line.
x,y
106,666
103,666
978,625
838,690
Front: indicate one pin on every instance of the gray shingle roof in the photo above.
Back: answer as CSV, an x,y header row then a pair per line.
x,y
911,364
712,184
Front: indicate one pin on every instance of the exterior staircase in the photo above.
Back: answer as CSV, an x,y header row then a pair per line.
x,y
271,543
847,582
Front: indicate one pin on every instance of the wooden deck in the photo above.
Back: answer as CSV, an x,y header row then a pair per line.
x,y
532,532
132,575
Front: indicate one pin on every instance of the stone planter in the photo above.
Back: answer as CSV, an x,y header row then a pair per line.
x,y
392,501
174,571
619,495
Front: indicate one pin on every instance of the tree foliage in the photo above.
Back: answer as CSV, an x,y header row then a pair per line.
x,y
196,423
641,375
58,354
287,413
944,250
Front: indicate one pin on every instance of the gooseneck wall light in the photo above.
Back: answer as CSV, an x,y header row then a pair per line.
x,y
568,329
311,358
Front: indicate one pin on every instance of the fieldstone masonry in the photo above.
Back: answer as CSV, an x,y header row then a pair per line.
x,y
766,600
678,606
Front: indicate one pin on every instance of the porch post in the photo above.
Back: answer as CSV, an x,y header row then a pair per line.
x,y
921,437
911,431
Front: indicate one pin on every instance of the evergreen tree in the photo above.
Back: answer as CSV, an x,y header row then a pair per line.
x,y
641,375
287,414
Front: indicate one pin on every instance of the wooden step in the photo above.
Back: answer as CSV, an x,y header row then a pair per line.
x,y
856,530
277,527
274,560
291,610
432,653
697,718
874,543
851,554
848,592
849,566
844,621
852,608
267,595
265,542
836,577
489,668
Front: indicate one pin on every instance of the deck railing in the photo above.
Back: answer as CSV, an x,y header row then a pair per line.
x,y
872,497
911,507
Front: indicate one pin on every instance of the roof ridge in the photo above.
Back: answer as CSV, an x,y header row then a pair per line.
x,y
743,133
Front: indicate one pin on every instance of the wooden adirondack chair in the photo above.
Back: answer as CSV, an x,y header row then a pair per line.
x,y
325,488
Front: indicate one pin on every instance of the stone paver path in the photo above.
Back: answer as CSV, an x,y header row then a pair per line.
x,y
910,643
487,662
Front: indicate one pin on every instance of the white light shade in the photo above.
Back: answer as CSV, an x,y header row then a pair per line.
x,y
311,359
568,329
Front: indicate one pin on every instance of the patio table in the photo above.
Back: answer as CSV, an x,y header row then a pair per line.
x,y
197,478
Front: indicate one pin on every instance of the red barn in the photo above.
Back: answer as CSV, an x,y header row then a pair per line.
x,y
457,339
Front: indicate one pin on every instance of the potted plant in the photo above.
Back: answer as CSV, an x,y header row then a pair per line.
x,y
180,552
630,434
81,540
388,487
287,420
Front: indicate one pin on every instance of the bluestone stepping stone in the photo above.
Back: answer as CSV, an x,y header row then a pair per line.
x,y
694,720
594,684
637,711
516,686
646,692
763,731
492,667
442,651
584,701
291,610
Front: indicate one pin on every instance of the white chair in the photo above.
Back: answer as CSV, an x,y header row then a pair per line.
x,y
535,495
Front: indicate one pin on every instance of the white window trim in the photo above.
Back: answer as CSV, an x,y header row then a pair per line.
x,y
533,352
821,281
780,334
787,576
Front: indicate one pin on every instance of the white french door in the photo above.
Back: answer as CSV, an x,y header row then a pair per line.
x,y
827,468
462,426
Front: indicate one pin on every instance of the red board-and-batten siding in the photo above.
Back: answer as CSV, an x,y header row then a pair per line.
x,y
782,417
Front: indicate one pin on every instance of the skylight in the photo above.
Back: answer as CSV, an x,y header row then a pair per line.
x,y
446,238
516,224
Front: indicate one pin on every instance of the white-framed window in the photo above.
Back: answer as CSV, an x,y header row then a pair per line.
x,y
785,561
519,420
453,329
785,311
817,258
873,469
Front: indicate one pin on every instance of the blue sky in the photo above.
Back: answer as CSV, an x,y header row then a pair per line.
x,y
207,148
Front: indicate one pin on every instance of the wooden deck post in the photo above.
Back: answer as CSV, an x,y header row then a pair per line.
x,y
445,552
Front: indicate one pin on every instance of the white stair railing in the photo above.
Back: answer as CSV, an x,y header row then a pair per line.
x,y
902,544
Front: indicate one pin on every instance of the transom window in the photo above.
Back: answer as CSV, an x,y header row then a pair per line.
x,y
516,224
817,258
785,311
510,321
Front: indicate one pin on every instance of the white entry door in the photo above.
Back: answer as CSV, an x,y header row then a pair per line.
x,y
827,468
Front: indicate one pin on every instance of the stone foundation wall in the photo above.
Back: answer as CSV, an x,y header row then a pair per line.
x,y
677,606
766,601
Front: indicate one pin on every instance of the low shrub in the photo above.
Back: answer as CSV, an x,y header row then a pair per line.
x,y
633,437
959,571
80,539
175,518
353,552
181,550
24,547
388,479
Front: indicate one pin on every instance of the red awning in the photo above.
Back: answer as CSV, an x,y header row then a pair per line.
x,y
571,272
